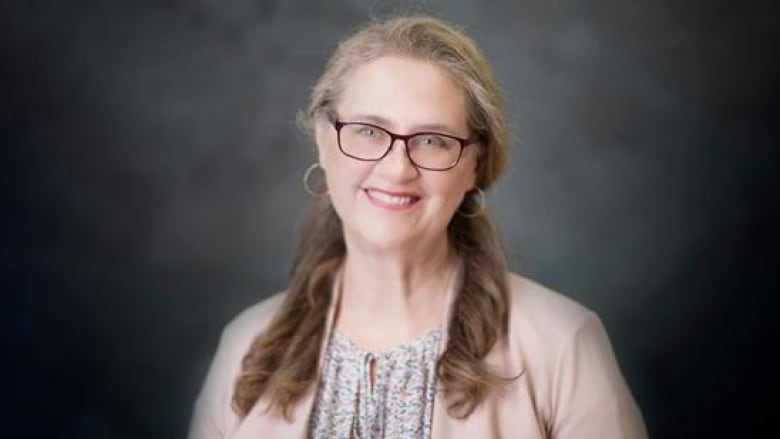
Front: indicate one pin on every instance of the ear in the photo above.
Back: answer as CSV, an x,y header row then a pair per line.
x,y
479,158
323,135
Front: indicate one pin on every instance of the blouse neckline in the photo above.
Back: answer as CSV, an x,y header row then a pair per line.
x,y
410,344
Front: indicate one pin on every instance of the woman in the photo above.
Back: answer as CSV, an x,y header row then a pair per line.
x,y
400,319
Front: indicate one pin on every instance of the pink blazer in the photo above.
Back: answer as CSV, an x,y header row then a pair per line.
x,y
571,385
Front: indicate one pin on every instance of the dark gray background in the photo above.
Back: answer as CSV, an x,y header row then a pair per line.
x,y
151,190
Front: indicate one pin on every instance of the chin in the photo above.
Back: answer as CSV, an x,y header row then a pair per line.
x,y
389,243
393,238
382,239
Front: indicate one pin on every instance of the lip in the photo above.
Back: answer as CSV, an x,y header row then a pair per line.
x,y
391,200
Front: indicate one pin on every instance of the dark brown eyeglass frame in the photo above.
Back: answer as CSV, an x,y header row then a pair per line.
x,y
337,124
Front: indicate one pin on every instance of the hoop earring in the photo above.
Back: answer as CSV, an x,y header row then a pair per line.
x,y
480,204
306,176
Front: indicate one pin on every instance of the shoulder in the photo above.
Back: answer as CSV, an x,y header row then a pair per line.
x,y
251,321
545,325
569,362
241,331
544,311
213,416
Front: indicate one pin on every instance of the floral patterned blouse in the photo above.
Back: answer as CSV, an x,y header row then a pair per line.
x,y
398,405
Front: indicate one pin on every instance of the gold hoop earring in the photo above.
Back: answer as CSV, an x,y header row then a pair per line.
x,y
306,177
480,204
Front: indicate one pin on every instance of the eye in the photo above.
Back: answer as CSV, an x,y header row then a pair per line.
x,y
367,131
432,141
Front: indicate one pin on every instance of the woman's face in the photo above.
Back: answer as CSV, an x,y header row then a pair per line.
x,y
391,204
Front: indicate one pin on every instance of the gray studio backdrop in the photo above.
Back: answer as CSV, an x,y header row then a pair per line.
x,y
166,165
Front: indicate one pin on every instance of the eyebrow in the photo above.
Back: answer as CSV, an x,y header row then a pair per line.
x,y
425,127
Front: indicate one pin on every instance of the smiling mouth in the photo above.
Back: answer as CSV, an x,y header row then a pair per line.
x,y
384,199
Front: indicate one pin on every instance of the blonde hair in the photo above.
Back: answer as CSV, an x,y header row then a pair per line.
x,y
282,362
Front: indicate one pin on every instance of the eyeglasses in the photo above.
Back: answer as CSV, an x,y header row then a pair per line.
x,y
431,151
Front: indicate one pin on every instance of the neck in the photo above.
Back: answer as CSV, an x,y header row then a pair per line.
x,y
390,296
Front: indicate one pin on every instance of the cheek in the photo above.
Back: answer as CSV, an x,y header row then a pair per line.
x,y
457,185
344,177
466,177
451,190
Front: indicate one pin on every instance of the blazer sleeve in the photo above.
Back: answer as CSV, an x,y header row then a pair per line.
x,y
591,398
213,416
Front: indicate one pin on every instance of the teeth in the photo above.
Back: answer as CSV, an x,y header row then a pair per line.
x,y
390,199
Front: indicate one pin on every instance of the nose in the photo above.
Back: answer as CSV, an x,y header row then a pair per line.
x,y
397,164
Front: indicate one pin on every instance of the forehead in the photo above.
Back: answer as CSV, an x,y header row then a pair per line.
x,y
406,92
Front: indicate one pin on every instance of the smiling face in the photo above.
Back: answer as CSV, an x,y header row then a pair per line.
x,y
391,204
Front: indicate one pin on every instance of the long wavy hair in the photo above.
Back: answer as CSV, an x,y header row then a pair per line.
x,y
282,362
